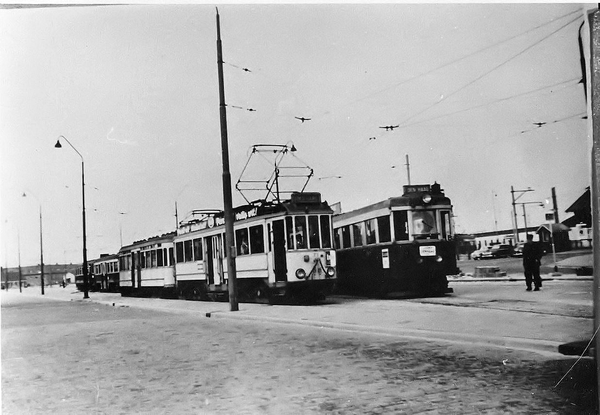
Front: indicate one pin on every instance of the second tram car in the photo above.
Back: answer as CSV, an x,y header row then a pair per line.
x,y
106,273
400,245
147,267
283,249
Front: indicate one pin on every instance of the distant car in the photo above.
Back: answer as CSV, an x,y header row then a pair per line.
x,y
518,249
501,251
481,253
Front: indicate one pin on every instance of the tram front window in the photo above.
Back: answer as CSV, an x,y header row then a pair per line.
x,y
424,224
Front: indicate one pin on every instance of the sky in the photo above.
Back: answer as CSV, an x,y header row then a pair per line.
x,y
134,89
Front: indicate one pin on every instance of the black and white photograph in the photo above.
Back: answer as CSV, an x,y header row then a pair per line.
x,y
299,207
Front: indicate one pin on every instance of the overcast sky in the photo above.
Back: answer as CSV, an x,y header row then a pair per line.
x,y
135,90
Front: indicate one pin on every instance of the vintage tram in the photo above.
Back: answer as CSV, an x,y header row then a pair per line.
x,y
403,245
106,273
147,267
284,250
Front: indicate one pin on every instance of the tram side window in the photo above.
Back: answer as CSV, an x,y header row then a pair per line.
x,y
153,258
142,257
179,252
357,232
187,250
159,257
313,231
370,231
337,235
325,231
197,249
346,237
289,231
171,257
401,225
241,241
383,225
257,239
446,229
300,232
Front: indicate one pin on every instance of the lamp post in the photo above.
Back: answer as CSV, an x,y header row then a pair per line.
x,y
514,199
41,246
85,264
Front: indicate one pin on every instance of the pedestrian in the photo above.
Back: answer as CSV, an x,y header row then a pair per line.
x,y
532,255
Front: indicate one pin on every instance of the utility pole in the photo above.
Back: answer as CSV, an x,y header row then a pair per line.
x,y
227,202
514,199
19,255
554,205
407,169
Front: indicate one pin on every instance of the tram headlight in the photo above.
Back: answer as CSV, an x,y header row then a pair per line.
x,y
300,274
330,272
426,198
438,258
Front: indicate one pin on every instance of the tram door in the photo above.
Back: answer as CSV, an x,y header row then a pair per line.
x,y
279,260
214,269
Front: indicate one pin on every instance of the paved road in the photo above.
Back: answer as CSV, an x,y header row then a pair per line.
x,y
76,356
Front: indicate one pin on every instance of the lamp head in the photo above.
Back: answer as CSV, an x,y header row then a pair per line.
x,y
58,144
293,149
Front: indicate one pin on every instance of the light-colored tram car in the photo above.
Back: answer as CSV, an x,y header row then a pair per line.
x,y
106,273
283,250
146,268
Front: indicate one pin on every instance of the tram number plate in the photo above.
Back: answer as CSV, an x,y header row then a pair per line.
x,y
385,258
427,250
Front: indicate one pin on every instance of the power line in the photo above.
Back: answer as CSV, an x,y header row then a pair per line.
x,y
489,71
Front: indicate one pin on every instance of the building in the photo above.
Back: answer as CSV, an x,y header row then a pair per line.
x,y
31,275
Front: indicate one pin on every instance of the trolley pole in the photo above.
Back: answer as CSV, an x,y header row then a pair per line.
x,y
229,238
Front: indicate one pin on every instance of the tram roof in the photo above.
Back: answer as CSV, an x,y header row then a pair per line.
x,y
412,197
166,237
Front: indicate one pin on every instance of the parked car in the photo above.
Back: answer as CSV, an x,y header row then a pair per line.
x,y
481,254
501,251
518,249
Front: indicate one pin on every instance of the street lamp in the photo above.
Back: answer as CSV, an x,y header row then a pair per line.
x,y
85,264
514,199
41,245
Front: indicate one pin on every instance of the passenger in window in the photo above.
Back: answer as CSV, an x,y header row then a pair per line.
x,y
244,247
300,243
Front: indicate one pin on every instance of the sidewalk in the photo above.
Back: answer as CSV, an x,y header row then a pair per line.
x,y
427,319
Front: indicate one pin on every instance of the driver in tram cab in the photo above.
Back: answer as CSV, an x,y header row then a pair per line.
x,y
300,238
423,223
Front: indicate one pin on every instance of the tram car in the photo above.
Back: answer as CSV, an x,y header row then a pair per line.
x,y
284,250
400,246
147,267
106,273
92,284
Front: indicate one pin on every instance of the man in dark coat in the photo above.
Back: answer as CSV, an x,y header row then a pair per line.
x,y
532,255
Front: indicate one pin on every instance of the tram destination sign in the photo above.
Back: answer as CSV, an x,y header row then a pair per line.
x,y
306,198
417,188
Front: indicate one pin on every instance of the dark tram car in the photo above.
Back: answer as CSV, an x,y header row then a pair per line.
x,y
79,278
402,246
106,273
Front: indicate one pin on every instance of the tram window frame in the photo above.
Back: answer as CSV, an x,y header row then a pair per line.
x,y
197,248
257,239
242,245
357,237
289,232
384,230
325,227
346,237
446,224
171,256
401,231
314,239
159,257
337,238
187,251
301,243
179,252
431,214
153,260
370,231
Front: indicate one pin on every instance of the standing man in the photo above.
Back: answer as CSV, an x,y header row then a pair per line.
x,y
532,255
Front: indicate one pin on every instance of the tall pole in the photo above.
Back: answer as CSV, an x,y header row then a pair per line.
x,y
229,239
407,169
19,257
514,199
554,205
41,254
85,263
524,217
